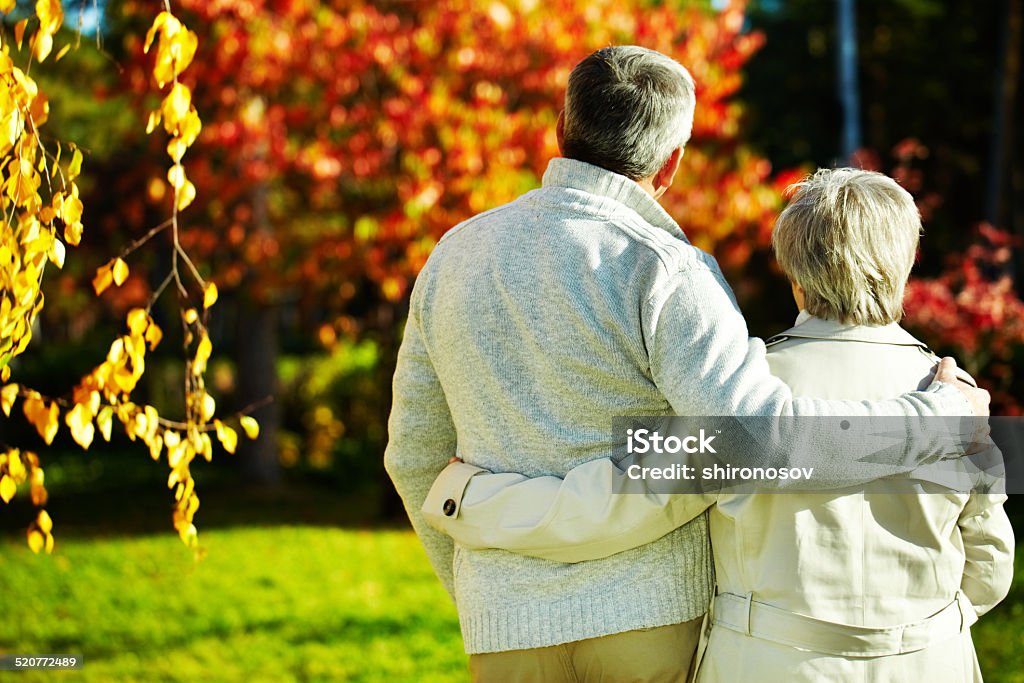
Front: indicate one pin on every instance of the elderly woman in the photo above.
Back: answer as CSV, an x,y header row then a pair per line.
x,y
855,585
873,559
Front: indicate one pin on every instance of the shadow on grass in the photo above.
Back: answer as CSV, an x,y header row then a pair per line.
x,y
125,494
352,628
117,495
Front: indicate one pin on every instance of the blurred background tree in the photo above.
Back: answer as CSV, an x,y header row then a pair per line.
x,y
940,93
341,139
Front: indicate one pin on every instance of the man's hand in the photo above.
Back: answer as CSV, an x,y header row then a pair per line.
x,y
976,432
977,397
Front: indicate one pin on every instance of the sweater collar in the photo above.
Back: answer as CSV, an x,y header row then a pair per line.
x,y
809,326
579,175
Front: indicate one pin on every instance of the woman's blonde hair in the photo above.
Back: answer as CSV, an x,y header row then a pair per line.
x,y
849,238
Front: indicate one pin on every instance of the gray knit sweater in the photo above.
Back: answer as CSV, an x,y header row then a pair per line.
x,y
530,327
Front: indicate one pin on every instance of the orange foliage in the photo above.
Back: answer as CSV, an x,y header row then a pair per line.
x,y
342,139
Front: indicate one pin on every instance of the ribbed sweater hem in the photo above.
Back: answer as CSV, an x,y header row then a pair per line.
x,y
631,607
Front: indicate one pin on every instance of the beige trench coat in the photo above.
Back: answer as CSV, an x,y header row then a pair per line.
x,y
873,558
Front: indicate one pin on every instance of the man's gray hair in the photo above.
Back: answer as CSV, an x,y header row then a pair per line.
x,y
627,109
849,239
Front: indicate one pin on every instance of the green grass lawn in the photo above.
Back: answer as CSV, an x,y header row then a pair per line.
x,y
274,604
264,604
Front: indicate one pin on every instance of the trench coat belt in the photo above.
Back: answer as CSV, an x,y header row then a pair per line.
x,y
759,620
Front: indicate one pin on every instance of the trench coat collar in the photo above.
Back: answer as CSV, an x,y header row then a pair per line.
x,y
810,327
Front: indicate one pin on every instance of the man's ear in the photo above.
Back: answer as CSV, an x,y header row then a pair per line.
x,y
664,177
560,132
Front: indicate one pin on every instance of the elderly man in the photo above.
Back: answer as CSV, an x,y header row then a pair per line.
x,y
532,325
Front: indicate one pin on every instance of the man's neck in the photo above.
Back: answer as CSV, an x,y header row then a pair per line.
x,y
647,185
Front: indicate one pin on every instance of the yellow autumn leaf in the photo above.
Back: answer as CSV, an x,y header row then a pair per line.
x,y
44,522
75,167
176,149
7,5
40,111
7,396
22,182
207,408
175,50
155,444
116,352
79,421
119,271
103,279
250,426
15,466
34,409
203,351
7,488
19,31
56,253
51,15
104,420
175,107
153,418
10,121
190,127
153,121
182,49
138,319
63,51
38,491
191,315
176,176
186,195
153,335
125,379
42,44
189,535
174,477
175,453
36,541
209,295
206,447
227,436
73,233
42,417
48,429
158,25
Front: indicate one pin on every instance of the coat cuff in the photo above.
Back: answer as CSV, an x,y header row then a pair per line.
x,y
444,500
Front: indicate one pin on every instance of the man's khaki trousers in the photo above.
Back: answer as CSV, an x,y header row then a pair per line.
x,y
653,655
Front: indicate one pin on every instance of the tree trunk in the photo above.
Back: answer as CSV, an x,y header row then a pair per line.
x,y
389,503
997,209
849,85
256,351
